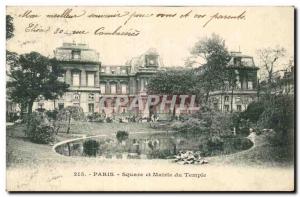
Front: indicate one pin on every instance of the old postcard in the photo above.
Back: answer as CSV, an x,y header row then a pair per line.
x,y
150,98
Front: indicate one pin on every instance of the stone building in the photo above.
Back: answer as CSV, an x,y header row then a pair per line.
x,y
288,81
245,89
90,80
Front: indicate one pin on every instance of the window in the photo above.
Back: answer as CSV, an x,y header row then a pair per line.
x,y
226,98
76,55
91,97
237,61
124,71
91,79
239,107
60,106
76,96
91,107
113,89
226,107
250,85
248,62
124,88
102,70
237,99
102,88
76,79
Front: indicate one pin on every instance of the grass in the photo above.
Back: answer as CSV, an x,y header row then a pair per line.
x,y
262,154
21,151
89,128
33,166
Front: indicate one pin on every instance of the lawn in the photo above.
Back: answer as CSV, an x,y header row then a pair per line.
x,y
91,128
21,151
262,154
33,166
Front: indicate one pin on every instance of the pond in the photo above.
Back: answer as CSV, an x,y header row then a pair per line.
x,y
155,146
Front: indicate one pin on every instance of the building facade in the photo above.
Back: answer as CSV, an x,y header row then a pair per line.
x,y
90,80
238,96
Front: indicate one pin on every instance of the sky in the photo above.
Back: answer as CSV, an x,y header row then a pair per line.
x,y
173,38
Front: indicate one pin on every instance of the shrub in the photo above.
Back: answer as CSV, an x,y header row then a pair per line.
x,y
253,111
109,120
12,116
241,143
91,147
220,124
159,154
52,114
122,136
215,143
95,117
191,126
68,113
74,112
44,134
38,129
279,116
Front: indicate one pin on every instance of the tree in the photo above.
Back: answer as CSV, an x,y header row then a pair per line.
x,y
33,75
230,77
269,58
175,82
253,111
279,116
68,113
9,27
215,56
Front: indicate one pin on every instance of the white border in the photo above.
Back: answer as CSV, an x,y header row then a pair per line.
x,y
3,4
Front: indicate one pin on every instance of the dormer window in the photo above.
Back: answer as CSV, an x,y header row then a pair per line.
x,y
151,60
248,62
76,55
